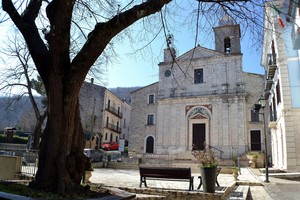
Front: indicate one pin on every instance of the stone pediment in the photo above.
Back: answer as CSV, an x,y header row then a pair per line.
x,y
198,116
198,53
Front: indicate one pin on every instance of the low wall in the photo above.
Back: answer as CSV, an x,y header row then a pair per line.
x,y
10,166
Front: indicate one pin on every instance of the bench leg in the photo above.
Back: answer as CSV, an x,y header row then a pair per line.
x,y
191,184
143,180
217,183
199,183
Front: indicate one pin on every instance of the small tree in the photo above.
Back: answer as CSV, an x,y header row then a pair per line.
x,y
19,74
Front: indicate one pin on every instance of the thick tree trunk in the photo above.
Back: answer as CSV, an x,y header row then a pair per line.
x,y
61,159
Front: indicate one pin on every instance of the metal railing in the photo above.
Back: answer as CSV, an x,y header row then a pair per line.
x,y
29,159
113,127
114,111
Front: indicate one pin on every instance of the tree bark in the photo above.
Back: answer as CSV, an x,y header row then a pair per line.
x,y
61,160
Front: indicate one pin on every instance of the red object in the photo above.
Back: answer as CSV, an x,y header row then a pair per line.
x,y
280,21
110,146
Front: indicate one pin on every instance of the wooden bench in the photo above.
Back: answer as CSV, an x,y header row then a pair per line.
x,y
218,172
166,173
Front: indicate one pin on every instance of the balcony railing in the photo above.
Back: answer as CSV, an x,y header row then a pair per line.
x,y
113,128
272,66
114,111
273,117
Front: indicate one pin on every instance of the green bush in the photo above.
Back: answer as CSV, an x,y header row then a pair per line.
x,y
2,138
16,139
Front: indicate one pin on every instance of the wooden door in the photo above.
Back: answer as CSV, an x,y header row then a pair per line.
x,y
255,138
198,136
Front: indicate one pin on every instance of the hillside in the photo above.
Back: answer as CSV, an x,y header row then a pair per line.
x,y
124,92
20,114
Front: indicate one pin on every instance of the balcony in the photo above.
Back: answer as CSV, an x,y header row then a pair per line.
x,y
271,66
114,111
268,84
113,128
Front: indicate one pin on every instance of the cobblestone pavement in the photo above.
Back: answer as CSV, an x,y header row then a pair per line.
x,y
276,189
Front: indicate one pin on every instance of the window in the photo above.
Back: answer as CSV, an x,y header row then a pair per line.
x,y
254,116
255,138
105,136
124,124
111,137
117,138
278,93
108,103
198,76
151,98
227,45
274,109
150,119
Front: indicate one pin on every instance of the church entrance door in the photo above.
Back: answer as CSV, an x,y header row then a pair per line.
x,y
199,136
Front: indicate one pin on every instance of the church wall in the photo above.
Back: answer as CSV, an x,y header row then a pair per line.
x,y
220,74
228,127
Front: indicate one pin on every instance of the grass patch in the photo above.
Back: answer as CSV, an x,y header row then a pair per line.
x,y
96,191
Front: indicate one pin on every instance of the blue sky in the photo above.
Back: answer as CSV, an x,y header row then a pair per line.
x,y
133,70
138,72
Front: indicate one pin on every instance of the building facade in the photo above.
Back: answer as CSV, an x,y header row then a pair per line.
x,y
202,96
280,58
104,116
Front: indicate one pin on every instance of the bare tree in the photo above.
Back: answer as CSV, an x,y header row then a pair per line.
x,y
61,160
22,74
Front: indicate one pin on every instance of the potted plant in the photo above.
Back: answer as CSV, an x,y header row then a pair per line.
x,y
252,156
235,169
208,167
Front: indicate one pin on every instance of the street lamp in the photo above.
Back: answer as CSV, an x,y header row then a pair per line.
x,y
261,104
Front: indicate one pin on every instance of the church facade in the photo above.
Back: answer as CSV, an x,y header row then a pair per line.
x,y
202,97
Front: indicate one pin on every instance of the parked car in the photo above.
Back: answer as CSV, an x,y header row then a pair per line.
x,y
94,155
110,146
4,153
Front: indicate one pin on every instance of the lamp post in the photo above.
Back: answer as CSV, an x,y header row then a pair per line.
x,y
261,104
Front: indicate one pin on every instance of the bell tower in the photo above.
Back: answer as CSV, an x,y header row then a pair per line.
x,y
227,36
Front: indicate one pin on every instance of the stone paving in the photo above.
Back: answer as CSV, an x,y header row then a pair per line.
x,y
276,189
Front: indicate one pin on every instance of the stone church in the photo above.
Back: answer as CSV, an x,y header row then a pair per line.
x,y
202,96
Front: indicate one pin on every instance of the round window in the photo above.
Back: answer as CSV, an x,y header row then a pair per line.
x,y
167,73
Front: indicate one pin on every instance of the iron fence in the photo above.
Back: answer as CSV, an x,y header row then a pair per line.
x,y
29,159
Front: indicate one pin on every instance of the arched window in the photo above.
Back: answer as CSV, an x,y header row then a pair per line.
x,y
227,45
150,145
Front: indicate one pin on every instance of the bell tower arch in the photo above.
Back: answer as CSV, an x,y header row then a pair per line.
x,y
227,36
